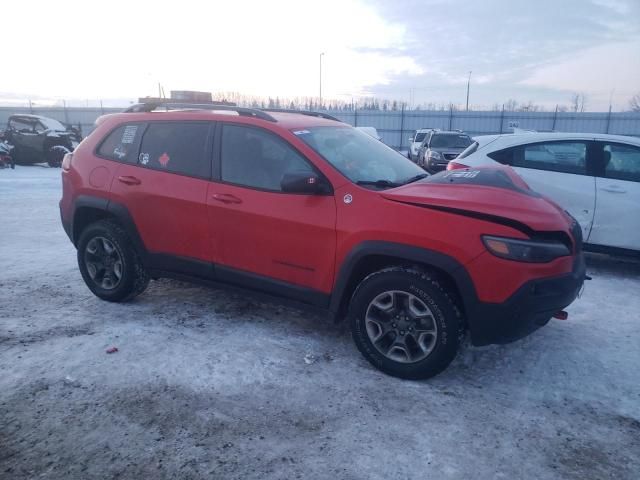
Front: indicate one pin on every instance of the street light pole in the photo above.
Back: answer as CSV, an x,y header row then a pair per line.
x,y
468,82
321,79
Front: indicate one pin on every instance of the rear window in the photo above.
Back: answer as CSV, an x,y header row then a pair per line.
x,y
121,143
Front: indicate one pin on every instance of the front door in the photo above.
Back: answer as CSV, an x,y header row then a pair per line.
x,y
266,234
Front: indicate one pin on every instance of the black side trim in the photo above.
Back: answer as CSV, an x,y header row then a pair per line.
x,y
271,286
193,267
405,252
508,222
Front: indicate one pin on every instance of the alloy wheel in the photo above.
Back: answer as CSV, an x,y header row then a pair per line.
x,y
401,326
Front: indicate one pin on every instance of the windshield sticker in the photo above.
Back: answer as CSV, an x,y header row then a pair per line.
x,y
144,158
301,132
163,159
119,152
129,134
464,174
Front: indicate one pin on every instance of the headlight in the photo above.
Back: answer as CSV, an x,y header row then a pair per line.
x,y
531,251
434,155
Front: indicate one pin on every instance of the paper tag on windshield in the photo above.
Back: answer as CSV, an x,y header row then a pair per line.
x,y
301,132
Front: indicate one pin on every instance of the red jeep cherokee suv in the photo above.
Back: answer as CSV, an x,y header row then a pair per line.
x,y
300,205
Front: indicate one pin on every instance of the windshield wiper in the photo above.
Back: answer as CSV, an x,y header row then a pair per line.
x,y
378,183
415,178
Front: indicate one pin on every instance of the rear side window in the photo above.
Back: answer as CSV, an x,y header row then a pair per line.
x,y
21,125
622,162
566,157
122,143
177,148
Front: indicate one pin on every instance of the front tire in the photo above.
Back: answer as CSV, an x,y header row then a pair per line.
x,y
405,323
109,264
55,155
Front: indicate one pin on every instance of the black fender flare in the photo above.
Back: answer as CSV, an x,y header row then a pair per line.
x,y
410,253
112,209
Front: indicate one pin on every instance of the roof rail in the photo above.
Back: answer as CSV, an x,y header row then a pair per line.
x,y
302,112
242,111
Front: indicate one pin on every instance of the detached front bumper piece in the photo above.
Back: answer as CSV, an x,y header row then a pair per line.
x,y
528,309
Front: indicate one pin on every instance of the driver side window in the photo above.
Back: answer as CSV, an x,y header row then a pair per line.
x,y
21,126
255,158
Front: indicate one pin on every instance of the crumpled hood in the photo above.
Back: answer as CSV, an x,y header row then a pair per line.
x,y
495,194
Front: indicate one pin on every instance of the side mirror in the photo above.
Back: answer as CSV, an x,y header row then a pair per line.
x,y
304,182
410,139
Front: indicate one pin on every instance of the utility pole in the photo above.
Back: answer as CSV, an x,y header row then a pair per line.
x,y
321,79
468,82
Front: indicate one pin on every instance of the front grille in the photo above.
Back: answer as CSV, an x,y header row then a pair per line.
x,y
450,156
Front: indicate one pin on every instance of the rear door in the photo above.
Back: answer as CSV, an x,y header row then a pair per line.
x,y
165,190
265,232
617,217
560,170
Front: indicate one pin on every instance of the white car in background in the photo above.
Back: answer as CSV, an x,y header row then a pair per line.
x,y
415,142
595,177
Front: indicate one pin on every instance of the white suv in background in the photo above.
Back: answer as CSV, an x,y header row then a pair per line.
x,y
595,177
415,142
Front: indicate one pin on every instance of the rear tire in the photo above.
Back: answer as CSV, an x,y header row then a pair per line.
x,y
405,323
109,264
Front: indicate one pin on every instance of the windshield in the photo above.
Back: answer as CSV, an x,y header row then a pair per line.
x,y
450,141
420,137
51,124
358,156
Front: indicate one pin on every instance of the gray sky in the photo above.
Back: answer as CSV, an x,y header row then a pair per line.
x,y
540,50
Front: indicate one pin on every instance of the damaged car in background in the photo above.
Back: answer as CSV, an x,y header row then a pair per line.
x,y
38,139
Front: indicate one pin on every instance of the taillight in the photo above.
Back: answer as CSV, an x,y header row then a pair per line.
x,y
456,166
66,161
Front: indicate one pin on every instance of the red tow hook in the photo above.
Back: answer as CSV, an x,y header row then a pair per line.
x,y
561,315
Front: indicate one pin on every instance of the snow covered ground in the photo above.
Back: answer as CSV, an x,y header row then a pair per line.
x,y
212,384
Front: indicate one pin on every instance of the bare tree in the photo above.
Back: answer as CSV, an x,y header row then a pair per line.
x,y
578,102
510,105
634,103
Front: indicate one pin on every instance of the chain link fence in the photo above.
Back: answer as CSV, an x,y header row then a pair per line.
x,y
396,126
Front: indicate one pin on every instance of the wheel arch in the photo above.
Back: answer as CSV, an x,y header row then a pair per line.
x,y
371,256
89,209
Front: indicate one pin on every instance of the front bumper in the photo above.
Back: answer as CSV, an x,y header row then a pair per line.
x,y
528,309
